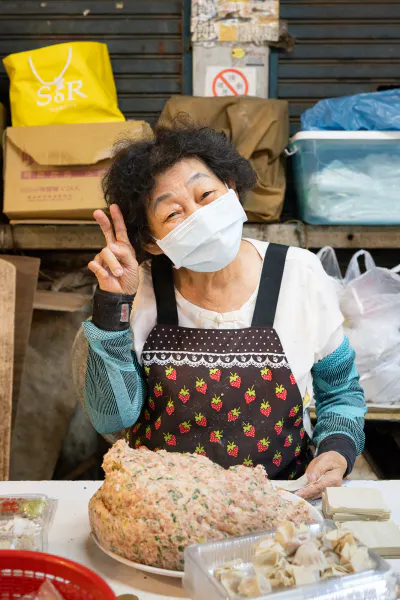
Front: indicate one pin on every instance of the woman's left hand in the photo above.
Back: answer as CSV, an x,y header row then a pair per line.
x,y
327,470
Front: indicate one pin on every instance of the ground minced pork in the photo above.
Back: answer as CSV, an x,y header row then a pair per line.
x,y
154,504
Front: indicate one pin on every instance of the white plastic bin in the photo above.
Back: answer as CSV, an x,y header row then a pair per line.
x,y
347,177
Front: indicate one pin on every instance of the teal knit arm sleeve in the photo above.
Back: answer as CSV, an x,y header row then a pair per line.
x,y
339,398
114,388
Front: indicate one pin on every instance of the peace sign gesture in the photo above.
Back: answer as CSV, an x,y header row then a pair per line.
x,y
115,267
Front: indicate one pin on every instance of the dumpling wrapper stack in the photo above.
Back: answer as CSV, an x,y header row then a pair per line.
x,y
354,504
381,537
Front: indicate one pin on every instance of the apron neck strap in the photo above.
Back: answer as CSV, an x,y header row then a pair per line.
x,y
270,285
164,290
268,293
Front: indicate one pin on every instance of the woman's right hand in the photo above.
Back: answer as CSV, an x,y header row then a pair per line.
x,y
115,267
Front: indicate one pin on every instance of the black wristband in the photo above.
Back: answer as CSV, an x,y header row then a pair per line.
x,y
112,312
342,444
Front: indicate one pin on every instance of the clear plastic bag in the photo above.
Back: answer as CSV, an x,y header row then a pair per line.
x,y
375,111
381,383
354,270
327,256
370,303
47,591
356,190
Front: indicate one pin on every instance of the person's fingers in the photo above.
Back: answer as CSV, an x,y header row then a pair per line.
x,y
112,262
101,273
105,226
119,224
319,466
125,254
99,261
314,490
328,461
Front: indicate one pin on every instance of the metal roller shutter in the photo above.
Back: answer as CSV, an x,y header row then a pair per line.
x,y
144,38
343,47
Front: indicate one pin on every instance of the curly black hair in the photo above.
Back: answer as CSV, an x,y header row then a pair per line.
x,y
131,176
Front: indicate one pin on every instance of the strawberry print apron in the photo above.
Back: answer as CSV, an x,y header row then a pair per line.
x,y
227,394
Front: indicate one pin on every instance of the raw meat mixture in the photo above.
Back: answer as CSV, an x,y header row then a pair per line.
x,y
154,504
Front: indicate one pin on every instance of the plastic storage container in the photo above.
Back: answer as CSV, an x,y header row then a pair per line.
x,y
347,177
25,521
201,560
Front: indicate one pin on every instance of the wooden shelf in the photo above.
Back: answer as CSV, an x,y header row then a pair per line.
x,y
89,237
378,412
61,301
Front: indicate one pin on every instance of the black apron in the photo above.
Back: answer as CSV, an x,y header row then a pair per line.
x,y
227,394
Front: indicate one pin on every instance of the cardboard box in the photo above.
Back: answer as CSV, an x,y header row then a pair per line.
x,y
55,171
3,122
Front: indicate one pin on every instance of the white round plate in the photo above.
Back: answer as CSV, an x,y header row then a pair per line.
x,y
138,566
315,515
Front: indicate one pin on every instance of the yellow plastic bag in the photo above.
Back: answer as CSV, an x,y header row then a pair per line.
x,y
66,83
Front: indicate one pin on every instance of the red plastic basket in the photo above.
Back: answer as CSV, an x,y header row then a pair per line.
x,y
24,572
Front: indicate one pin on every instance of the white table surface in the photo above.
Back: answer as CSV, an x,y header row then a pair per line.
x,y
70,535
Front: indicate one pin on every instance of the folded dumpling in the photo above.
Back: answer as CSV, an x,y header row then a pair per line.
x,y
254,586
305,575
309,555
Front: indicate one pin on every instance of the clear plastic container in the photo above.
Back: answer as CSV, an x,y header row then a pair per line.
x,y
347,177
25,522
201,561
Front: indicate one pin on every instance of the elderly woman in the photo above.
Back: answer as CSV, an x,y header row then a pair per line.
x,y
214,343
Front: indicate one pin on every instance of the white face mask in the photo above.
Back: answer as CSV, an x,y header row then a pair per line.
x,y
209,239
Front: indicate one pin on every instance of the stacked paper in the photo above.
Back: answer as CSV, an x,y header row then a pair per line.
x,y
383,538
354,504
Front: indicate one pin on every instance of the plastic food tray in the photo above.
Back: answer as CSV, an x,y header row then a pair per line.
x,y
25,521
202,559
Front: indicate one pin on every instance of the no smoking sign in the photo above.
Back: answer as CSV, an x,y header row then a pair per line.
x,y
230,82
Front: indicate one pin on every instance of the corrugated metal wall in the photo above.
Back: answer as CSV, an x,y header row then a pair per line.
x,y
342,47
144,38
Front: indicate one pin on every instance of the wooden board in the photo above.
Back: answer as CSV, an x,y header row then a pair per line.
x,y
377,412
8,280
35,222
89,237
27,271
60,301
